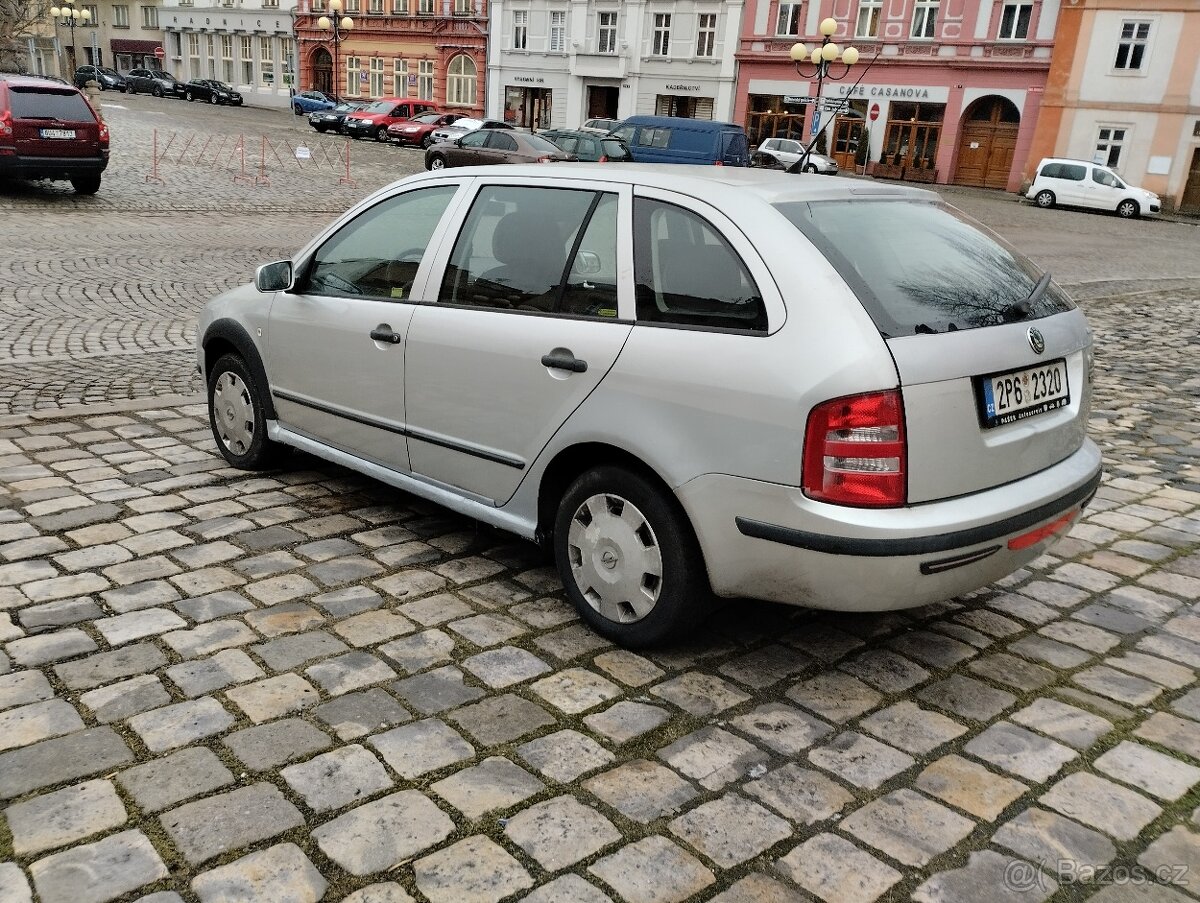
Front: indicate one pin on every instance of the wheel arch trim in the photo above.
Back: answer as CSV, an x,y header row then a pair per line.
x,y
229,332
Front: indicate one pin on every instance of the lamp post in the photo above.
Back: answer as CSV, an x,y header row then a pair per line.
x,y
818,63
339,28
68,16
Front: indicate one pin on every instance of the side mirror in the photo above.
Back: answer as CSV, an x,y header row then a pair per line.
x,y
587,263
274,277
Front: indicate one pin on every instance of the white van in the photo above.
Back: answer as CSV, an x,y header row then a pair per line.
x,y
1077,183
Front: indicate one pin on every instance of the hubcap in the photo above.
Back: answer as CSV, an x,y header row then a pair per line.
x,y
615,558
233,412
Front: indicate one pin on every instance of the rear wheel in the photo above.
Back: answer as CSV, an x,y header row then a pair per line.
x,y
130,89
437,161
88,185
212,98
811,168
1128,209
296,109
189,97
628,558
157,91
236,414
381,133
427,141
1044,198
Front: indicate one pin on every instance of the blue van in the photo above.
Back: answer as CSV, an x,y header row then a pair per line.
x,y
675,139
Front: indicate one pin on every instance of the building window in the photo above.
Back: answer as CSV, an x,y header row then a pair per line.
x,y
1014,21
375,7
400,78
925,19
462,7
352,76
399,7
120,16
93,14
789,19
425,80
287,56
706,34
606,33
1109,144
520,29
558,32
227,57
376,76
868,18
247,50
212,56
194,54
662,35
150,17
1132,47
460,81
426,7
175,43
352,6
266,62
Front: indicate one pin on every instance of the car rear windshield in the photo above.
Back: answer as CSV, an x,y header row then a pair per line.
x,y
923,267
43,103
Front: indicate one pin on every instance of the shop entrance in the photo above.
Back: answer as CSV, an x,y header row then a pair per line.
x,y
848,132
602,101
528,108
987,143
322,66
911,141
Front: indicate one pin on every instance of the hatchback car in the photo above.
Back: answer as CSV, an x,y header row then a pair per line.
x,y
372,121
483,146
154,81
419,130
1078,183
103,76
589,147
600,126
49,131
311,101
333,119
630,366
460,127
787,152
212,91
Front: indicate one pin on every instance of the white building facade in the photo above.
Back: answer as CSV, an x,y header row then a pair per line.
x,y
247,43
556,63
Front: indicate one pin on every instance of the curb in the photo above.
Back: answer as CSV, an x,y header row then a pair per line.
x,y
101,408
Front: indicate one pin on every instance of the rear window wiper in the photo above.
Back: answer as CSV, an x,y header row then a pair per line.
x,y
1020,310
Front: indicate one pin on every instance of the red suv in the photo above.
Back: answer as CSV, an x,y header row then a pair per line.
x,y
49,131
373,120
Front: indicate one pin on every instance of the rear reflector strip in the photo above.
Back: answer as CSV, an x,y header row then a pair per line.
x,y
958,561
1025,540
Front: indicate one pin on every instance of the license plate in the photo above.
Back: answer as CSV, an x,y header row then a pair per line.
x,y
58,133
1017,394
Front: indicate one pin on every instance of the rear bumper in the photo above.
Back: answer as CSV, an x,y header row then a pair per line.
x,y
772,542
15,167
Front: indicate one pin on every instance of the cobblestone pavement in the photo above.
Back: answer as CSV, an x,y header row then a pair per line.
x,y
303,685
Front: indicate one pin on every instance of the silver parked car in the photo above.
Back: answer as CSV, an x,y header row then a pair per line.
x,y
685,382
788,152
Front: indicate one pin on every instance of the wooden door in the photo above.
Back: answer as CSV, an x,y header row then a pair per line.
x,y
1191,191
987,143
846,136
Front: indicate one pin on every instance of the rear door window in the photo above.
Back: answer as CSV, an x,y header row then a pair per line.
x,y
920,267
44,104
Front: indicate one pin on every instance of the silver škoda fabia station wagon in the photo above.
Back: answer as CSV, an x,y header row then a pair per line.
x,y
684,381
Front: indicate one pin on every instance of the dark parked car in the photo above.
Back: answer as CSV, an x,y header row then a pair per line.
x,y
211,90
334,119
49,131
418,131
154,81
483,146
105,77
589,147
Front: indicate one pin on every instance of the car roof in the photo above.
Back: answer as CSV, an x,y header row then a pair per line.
x,y
1070,160
704,125
35,81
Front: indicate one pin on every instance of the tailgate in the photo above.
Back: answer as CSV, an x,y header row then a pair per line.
x,y
48,122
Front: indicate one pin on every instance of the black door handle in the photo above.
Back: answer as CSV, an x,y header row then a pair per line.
x,y
564,359
383,333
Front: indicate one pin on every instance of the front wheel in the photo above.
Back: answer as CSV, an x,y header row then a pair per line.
x,y
89,185
236,414
1128,209
212,98
381,133
437,161
296,109
157,92
811,168
130,89
628,557
427,141
1044,199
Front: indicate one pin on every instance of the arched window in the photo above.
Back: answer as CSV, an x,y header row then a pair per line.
x,y
460,81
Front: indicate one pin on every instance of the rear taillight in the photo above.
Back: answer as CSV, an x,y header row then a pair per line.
x,y
103,135
6,124
603,159
855,451
718,163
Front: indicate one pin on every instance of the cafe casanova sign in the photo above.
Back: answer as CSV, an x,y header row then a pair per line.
x,y
901,93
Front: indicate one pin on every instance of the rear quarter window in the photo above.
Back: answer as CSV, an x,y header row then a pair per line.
x,y
1070,171
923,267
48,104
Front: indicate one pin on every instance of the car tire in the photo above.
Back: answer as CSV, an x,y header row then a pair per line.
x,y
86,185
212,98
1044,199
189,97
437,161
1128,209
157,91
236,415
130,89
427,141
381,134
628,558
811,168
296,109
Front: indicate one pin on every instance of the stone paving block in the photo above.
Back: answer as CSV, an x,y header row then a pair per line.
x,y
437,690
1174,857
730,830
487,629
207,580
1117,685
700,694
567,889
781,727
63,587
565,755
1085,636
1021,675
800,794
32,651
642,790
713,757
23,688
969,786
98,872
267,746
61,759
288,652
473,870
991,876
37,721
545,613
653,870
1140,766
837,871
1052,652
348,672
765,667
575,690
165,781
909,827
283,618
347,569
273,697
138,624
1172,732
1020,752
14,886
371,627
421,747
228,821
502,719
571,642
411,584
383,892
1101,804
967,698
495,783
886,671
503,667
627,720
627,667
181,723
213,606
62,613
378,836
231,666
835,696
860,760
337,778
1048,839
560,832
1071,725
64,816
417,652
209,638
913,729
1170,675
137,596
281,872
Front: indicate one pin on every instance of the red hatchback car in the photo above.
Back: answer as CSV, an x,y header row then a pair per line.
x,y
418,131
373,120
49,131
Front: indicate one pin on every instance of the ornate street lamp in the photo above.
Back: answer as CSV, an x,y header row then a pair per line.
x,y
339,28
819,63
68,16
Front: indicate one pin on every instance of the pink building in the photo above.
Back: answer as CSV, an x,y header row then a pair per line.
x,y
951,94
